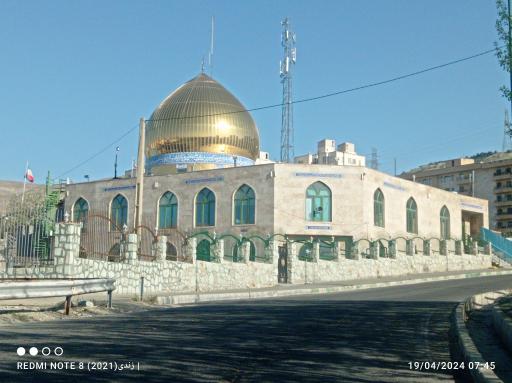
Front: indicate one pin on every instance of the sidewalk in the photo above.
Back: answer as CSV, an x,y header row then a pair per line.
x,y
285,290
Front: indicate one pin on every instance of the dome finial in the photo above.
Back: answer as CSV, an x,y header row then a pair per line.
x,y
202,65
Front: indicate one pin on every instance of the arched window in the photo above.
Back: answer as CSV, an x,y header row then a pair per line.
x,y
171,254
205,208
168,211
378,208
318,203
412,216
119,212
306,252
445,223
203,250
80,210
244,205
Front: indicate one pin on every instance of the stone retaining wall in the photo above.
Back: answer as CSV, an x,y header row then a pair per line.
x,y
163,276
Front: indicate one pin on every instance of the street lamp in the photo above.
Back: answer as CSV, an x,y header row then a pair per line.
x,y
115,163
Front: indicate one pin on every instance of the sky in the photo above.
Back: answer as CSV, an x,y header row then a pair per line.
x,y
75,76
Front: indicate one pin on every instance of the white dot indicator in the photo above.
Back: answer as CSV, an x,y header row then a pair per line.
x,y
46,351
20,351
58,351
33,351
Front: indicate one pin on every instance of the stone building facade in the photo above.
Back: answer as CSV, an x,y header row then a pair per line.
x,y
489,178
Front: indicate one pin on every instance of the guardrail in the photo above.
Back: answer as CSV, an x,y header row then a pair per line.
x,y
47,288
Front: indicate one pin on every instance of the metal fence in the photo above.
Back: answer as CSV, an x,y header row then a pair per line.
x,y
26,230
100,238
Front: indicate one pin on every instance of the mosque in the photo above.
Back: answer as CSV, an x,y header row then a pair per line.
x,y
204,171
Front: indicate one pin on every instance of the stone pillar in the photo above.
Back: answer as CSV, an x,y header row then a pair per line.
x,y
66,248
130,248
354,251
426,247
315,254
160,248
392,248
292,260
487,248
443,247
474,248
409,247
272,252
339,249
245,249
374,250
218,251
458,247
191,249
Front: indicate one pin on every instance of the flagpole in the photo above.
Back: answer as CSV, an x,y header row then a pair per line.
x,y
24,183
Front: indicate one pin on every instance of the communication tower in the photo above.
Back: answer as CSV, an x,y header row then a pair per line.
x,y
286,72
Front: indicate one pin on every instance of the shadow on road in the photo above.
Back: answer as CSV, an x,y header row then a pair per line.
x,y
283,341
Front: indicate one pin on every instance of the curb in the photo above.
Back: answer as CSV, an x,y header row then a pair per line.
x,y
467,347
502,325
188,298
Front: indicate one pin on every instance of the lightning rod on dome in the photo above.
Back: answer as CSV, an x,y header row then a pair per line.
x,y
210,54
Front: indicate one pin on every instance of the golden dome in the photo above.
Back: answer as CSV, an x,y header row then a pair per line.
x,y
201,122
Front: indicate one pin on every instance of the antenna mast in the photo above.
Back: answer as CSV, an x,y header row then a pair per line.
x,y
210,54
286,71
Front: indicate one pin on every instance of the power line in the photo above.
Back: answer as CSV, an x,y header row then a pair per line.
x,y
309,99
103,150
337,93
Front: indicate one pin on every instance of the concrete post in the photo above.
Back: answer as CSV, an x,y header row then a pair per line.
x,y
392,248
409,247
160,248
487,248
130,248
66,248
458,247
426,247
443,247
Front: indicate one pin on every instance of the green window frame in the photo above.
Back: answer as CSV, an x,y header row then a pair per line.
x,y
378,208
244,202
412,216
168,211
205,208
80,210
119,212
444,217
318,202
203,250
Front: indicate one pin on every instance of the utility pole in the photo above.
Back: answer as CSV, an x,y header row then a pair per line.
x,y
286,71
139,188
509,56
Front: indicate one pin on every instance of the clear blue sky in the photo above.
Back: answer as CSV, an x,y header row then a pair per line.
x,y
76,75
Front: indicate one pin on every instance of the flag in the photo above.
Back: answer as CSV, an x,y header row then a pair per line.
x,y
29,176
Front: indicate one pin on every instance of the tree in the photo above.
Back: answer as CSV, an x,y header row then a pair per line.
x,y
504,47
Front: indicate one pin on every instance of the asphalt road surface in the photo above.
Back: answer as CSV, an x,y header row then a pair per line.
x,y
362,336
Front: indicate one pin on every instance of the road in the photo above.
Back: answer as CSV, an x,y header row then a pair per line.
x,y
361,336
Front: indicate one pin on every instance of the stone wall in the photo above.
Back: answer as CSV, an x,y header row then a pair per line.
x,y
165,277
